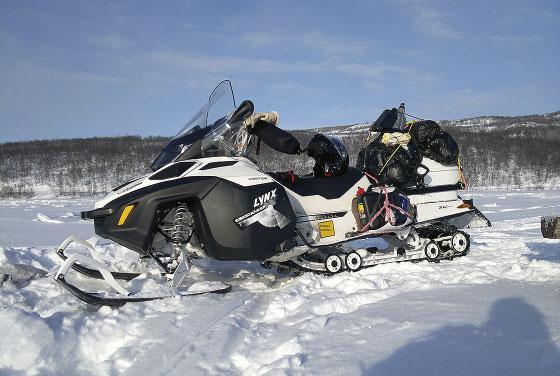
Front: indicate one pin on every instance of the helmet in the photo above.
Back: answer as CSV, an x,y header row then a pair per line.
x,y
331,157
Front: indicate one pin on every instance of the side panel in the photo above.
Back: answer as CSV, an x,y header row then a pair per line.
x,y
313,210
138,230
233,222
245,223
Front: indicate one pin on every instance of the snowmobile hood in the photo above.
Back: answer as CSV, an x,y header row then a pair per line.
x,y
235,169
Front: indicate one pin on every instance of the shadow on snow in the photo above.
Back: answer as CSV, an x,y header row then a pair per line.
x,y
513,341
547,251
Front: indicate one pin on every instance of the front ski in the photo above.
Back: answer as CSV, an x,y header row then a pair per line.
x,y
126,276
94,267
115,300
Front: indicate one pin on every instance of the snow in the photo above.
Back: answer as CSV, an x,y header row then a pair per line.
x,y
494,312
474,122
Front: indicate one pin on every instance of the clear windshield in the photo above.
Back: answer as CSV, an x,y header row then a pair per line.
x,y
208,133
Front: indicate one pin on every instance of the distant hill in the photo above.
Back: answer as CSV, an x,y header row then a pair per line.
x,y
489,123
481,123
496,151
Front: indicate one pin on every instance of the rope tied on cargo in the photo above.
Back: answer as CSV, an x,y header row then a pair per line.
x,y
461,174
387,206
389,159
414,117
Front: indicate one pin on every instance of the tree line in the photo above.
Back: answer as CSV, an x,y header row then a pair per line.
x,y
504,156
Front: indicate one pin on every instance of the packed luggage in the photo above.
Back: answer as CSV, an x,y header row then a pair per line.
x,y
395,149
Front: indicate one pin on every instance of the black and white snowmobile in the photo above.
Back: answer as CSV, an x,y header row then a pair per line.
x,y
206,197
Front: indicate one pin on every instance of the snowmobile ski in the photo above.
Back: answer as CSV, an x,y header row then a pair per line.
x,y
114,300
87,271
97,269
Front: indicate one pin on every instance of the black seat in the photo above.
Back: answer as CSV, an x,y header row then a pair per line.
x,y
328,187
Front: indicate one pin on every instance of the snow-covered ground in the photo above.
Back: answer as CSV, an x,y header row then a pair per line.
x,y
494,312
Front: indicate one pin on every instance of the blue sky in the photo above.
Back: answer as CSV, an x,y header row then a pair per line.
x,y
99,68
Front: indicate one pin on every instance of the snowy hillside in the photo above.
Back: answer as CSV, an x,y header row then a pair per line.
x,y
489,123
481,123
494,312
504,152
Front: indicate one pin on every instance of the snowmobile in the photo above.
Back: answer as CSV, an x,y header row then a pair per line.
x,y
207,197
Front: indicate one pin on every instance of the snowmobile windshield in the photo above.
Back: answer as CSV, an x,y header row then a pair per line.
x,y
206,133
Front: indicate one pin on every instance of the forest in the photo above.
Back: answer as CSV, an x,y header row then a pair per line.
x,y
496,152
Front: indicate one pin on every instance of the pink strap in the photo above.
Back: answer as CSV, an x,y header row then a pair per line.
x,y
389,215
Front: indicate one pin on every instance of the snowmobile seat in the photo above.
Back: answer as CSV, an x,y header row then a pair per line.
x,y
326,187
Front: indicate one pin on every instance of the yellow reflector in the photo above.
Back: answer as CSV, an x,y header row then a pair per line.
x,y
125,214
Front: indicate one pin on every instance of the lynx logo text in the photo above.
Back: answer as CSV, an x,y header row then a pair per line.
x,y
264,198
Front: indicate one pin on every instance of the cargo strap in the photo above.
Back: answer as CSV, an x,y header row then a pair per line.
x,y
387,206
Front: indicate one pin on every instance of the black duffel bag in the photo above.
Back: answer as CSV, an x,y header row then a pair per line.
x,y
443,149
392,165
424,131
434,143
